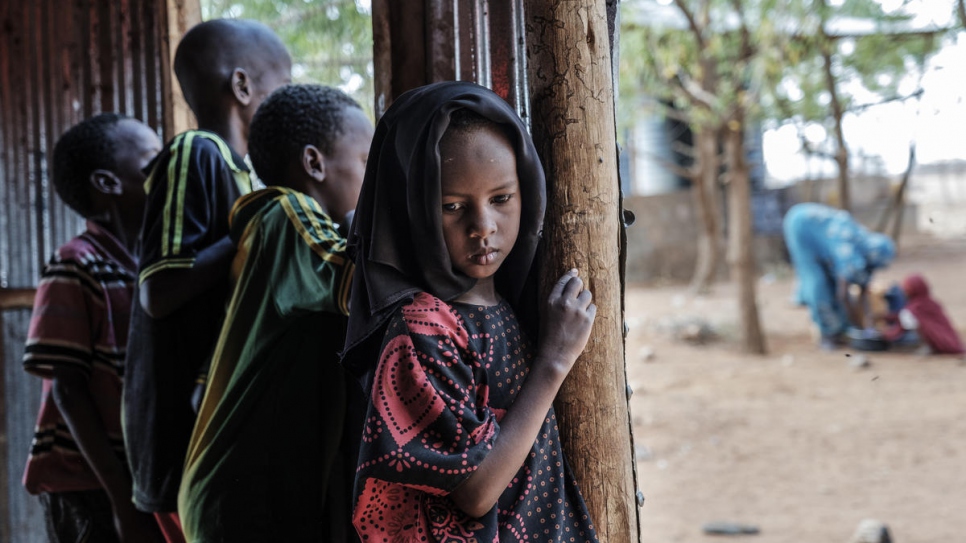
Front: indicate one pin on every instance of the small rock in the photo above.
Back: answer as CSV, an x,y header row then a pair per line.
x,y
646,354
695,332
690,329
729,528
871,531
859,362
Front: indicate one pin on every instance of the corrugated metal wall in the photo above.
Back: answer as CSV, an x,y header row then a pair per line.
x,y
421,42
60,61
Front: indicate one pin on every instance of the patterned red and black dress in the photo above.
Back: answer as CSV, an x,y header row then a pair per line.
x,y
445,378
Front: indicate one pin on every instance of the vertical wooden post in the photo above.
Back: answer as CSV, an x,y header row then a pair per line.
x,y
178,16
572,99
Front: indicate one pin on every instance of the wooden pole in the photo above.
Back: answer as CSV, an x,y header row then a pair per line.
x,y
572,99
17,298
178,17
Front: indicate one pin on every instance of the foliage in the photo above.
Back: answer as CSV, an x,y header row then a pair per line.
x,y
697,45
868,64
330,40
781,78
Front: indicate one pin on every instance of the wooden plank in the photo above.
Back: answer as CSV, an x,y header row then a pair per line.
x,y
17,298
154,67
381,56
178,17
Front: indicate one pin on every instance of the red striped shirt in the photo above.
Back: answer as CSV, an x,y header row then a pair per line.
x,y
80,320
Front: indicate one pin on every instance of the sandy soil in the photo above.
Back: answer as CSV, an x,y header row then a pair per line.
x,y
797,442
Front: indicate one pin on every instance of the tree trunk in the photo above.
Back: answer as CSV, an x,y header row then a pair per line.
x,y
841,149
704,190
741,254
574,130
901,195
897,204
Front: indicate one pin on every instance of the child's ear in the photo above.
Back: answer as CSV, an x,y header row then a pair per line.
x,y
241,86
313,161
106,182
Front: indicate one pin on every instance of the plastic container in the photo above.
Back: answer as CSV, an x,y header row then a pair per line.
x,y
866,340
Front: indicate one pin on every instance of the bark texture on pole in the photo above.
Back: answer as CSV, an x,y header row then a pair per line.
x,y
572,100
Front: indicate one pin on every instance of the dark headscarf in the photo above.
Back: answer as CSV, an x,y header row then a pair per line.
x,y
396,238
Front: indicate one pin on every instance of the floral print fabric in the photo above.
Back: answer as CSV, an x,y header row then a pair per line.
x,y
445,378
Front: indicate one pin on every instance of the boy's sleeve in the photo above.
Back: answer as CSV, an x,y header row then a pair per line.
x,y
179,212
62,325
311,269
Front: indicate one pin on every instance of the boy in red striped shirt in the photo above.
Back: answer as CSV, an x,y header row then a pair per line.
x,y
78,335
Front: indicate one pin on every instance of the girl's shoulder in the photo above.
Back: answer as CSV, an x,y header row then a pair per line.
x,y
427,315
424,301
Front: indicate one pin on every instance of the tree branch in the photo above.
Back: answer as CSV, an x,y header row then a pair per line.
x,y
692,23
810,150
863,107
694,91
747,50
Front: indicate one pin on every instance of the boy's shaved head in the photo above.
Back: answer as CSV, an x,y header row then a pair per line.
x,y
87,146
209,53
291,118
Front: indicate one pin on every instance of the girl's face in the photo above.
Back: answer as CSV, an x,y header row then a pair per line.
x,y
480,199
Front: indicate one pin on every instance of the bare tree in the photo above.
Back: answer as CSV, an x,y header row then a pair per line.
x,y
708,69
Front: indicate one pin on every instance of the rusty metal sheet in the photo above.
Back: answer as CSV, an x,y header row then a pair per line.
x,y
441,40
61,61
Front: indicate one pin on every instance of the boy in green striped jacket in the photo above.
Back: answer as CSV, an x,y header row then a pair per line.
x,y
226,68
267,459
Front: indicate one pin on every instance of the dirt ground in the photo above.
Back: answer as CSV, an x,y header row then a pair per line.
x,y
797,442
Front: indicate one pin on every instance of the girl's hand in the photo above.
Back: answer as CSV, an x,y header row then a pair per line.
x,y
568,317
567,320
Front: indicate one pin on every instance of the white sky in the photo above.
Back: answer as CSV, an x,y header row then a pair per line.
x,y
885,131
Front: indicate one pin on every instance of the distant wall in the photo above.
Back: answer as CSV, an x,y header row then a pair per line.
x,y
662,243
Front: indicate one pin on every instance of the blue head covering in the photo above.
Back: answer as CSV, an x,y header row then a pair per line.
x,y
878,249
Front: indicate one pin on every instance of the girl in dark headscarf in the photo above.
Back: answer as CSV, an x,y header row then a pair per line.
x,y
460,441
